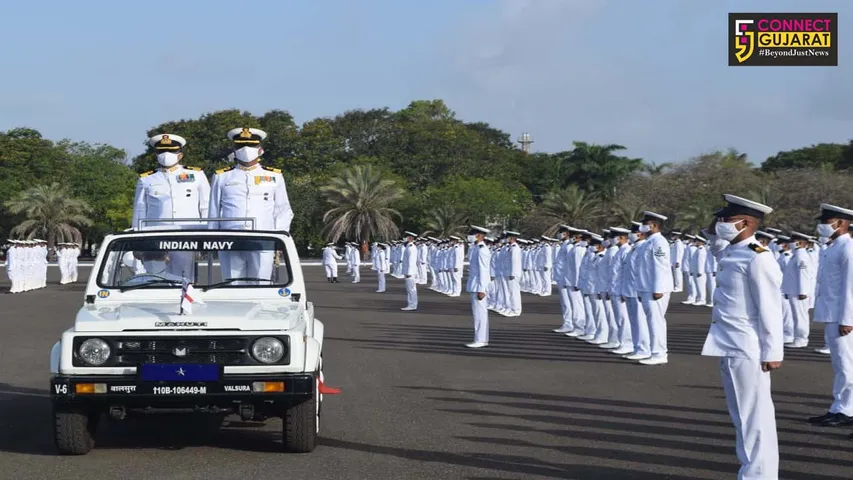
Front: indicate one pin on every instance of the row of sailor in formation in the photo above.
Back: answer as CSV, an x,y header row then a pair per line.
x,y
615,288
27,261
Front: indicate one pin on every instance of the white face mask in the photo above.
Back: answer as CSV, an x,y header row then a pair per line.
x,y
606,243
167,159
825,230
823,240
247,154
472,239
632,237
581,243
645,228
727,231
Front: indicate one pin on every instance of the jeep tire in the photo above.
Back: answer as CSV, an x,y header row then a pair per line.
x,y
299,425
74,430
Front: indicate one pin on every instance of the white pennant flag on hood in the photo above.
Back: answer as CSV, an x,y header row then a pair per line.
x,y
189,296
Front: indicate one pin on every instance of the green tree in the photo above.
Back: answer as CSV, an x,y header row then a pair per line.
x,y
595,167
444,222
361,202
823,155
50,212
480,200
570,206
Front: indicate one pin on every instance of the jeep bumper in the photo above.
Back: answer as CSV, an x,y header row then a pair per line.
x,y
271,391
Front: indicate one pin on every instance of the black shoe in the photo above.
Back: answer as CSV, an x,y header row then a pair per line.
x,y
840,420
822,418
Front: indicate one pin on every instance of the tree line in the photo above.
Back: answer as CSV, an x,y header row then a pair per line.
x,y
368,174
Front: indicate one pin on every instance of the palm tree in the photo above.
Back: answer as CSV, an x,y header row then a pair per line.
x,y
653,168
51,213
766,195
625,213
444,222
360,200
696,215
570,205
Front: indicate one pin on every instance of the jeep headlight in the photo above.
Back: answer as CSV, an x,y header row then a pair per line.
x,y
94,351
268,350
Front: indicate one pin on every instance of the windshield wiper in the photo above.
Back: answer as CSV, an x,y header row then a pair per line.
x,y
153,282
232,280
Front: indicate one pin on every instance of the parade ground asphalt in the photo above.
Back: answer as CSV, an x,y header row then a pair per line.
x,y
417,404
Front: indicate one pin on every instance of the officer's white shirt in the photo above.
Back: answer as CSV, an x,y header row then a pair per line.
x,y
479,262
677,253
617,268
834,302
747,316
410,260
254,192
655,273
180,192
797,278
697,261
330,256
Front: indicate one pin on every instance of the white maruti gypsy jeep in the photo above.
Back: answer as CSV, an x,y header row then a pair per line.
x,y
247,344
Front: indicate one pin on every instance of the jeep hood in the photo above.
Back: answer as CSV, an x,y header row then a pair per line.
x,y
213,315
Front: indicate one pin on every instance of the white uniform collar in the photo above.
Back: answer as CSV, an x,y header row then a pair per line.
x,y
248,169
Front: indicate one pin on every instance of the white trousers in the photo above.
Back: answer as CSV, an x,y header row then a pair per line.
x,y
514,296
565,307
589,316
639,326
246,264
456,283
422,274
712,287
602,330
331,270
787,321
655,311
356,273
700,287
481,319
754,417
380,275
677,279
841,353
609,315
691,292
545,283
411,292
620,317
578,315
800,317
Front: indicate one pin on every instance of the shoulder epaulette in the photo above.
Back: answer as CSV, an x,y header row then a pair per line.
x,y
195,169
481,245
143,175
757,248
270,169
223,170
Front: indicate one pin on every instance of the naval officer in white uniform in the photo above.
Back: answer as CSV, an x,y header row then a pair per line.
x,y
479,278
172,191
655,285
746,332
834,308
249,190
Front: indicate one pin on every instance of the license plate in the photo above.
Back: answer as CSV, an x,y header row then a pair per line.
x,y
179,390
179,373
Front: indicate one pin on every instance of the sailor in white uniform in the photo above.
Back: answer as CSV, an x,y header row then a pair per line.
x,y
797,282
330,262
381,261
676,250
249,190
356,263
655,285
834,307
173,191
746,332
410,272
479,261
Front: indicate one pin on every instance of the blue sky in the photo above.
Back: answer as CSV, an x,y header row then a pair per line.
x,y
651,75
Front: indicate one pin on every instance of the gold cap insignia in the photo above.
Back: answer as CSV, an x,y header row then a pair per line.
x,y
166,140
245,133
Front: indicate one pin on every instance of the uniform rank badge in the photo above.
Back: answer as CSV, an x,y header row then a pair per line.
x,y
264,179
186,177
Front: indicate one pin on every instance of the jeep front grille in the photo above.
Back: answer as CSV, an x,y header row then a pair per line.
x,y
135,351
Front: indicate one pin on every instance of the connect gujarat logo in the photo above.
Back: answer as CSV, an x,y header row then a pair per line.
x,y
783,39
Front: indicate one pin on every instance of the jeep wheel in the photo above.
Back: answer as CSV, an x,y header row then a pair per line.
x,y
300,425
74,431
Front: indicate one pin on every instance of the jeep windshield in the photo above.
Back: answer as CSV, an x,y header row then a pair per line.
x,y
206,261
